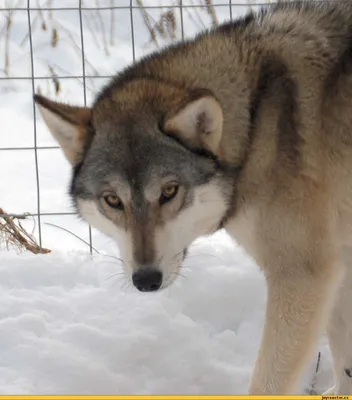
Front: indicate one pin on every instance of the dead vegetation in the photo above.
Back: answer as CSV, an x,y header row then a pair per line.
x,y
163,28
14,235
167,27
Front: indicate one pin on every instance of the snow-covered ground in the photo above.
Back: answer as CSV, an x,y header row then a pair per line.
x,y
69,322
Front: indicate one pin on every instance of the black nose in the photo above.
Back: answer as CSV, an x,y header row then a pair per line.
x,y
147,280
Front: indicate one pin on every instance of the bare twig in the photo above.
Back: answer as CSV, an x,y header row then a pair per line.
x,y
77,47
209,6
112,24
102,27
35,20
8,17
194,16
7,31
41,16
56,82
147,22
88,24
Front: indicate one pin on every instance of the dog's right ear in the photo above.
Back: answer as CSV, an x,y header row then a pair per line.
x,y
70,126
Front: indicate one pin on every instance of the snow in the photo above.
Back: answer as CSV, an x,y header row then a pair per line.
x,y
70,325
69,321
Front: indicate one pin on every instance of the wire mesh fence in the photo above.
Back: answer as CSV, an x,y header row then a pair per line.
x,y
67,49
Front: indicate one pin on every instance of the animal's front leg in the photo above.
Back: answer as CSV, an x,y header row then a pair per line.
x,y
299,298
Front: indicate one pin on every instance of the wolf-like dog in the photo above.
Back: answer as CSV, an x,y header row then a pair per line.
x,y
246,127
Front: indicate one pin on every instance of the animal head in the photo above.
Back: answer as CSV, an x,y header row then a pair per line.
x,y
146,171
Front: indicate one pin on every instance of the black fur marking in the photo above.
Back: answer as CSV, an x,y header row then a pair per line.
x,y
273,82
266,77
270,71
288,140
228,213
75,171
232,201
348,372
276,83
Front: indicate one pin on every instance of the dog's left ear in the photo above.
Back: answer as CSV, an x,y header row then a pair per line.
x,y
198,123
70,126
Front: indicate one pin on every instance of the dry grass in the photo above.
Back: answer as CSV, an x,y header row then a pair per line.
x,y
166,27
14,235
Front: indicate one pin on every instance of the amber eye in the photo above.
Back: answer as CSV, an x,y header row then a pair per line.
x,y
168,193
113,201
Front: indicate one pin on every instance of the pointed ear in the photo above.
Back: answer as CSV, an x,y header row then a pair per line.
x,y
70,126
199,123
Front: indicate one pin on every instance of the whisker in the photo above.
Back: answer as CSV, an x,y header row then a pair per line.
x,y
129,286
179,274
177,254
124,283
110,262
116,258
113,275
206,255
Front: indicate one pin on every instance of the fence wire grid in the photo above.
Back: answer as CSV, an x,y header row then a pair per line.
x,y
163,21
